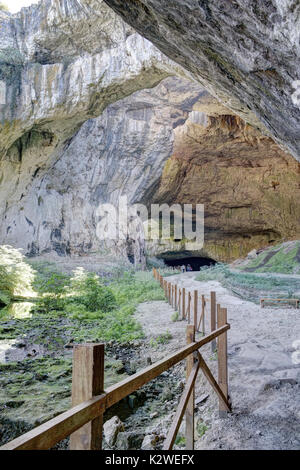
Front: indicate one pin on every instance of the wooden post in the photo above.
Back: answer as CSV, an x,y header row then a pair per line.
x,y
172,301
213,323
195,308
87,382
203,313
222,360
169,292
189,307
179,301
183,303
175,304
189,413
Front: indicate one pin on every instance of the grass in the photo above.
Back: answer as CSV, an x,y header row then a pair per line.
x,y
279,259
248,285
68,309
164,338
83,308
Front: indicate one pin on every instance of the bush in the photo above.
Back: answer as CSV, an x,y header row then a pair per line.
x,y
16,276
87,290
3,6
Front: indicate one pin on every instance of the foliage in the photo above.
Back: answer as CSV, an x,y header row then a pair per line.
x,y
282,258
211,273
251,286
87,291
16,276
201,428
164,338
153,262
3,6
84,308
180,441
175,316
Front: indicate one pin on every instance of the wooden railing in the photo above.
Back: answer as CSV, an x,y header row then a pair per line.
x,y
84,421
186,303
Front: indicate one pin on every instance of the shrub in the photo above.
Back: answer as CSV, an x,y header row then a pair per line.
x,y
3,6
87,290
16,276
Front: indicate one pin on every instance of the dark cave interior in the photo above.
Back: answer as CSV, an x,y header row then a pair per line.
x,y
195,262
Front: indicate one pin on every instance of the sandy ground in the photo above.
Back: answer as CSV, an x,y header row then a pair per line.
x,y
264,370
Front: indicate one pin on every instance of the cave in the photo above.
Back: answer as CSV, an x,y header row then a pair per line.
x,y
196,262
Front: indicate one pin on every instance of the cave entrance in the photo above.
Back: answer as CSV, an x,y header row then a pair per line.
x,y
196,262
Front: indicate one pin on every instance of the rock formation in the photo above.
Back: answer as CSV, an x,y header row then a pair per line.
x,y
76,133
244,52
62,63
250,188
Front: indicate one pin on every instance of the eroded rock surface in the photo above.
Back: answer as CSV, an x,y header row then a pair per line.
x,y
174,144
63,63
243,51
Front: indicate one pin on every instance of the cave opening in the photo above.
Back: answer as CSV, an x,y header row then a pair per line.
x,y
196,262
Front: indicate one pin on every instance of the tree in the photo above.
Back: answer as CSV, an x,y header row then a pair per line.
x,y
3,6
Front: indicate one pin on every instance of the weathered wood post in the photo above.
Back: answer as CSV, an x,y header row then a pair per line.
x,y
189,307
169,292
183,303
195,308
179,301
189,413
203,303
87,382
175,304
213,304
172,302
222,360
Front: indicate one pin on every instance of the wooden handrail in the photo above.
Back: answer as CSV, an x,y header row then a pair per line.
x,y
48,434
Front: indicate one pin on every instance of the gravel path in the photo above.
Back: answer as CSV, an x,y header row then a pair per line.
x,y
264,370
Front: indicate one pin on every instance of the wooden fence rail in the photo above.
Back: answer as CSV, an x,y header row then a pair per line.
x,y
84,421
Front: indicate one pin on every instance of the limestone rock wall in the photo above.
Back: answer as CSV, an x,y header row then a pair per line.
x,y
52,193
246,52
250,187
82,126
62,63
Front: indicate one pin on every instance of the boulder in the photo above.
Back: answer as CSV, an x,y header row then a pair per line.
x,y
111,429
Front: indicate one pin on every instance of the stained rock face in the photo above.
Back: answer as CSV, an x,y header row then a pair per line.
x,y
69,143
243,51
52,194
62,63
249,187
173,144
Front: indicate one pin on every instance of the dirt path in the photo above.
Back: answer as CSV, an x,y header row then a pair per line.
x,y
264,370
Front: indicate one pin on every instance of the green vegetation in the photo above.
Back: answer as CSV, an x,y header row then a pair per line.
x,y
16,276
180,441
3,6
201,428
251,286
83,308
283,258
164,338
153,262
66,309
175,317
